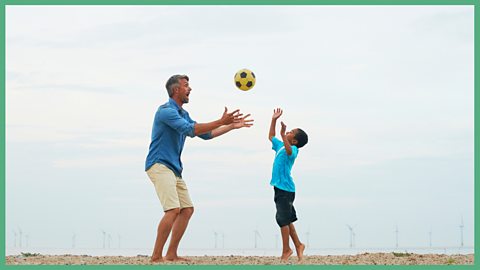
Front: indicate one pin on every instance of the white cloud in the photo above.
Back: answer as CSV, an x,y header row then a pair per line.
x,y
95,162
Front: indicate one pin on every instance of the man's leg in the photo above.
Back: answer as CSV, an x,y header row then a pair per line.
x,y
178,230
286,251
164,228
299,246
164,181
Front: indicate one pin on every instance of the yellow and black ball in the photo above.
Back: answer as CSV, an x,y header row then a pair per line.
x,y
245,79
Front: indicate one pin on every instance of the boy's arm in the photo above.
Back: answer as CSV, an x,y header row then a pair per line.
x,y
276,114
271,133
288,147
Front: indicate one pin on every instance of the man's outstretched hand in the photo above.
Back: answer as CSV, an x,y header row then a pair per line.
x,y
243,122
228,118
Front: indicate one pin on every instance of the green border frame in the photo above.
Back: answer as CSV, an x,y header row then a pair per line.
x,y
475,3
240,2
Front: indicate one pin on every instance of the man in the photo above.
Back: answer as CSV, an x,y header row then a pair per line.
x,y
164,167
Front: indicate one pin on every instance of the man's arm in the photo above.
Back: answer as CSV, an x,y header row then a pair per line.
x,y
288,147
202,128
221,130
241,122
276,114
226,119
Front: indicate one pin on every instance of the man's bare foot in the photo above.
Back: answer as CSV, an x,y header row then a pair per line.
x,y
300,250
176,259
156,260
286,255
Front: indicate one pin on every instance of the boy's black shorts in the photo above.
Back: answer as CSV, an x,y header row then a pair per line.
x,y
285,211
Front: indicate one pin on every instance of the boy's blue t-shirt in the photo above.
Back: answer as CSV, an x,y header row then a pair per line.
x,y
282,166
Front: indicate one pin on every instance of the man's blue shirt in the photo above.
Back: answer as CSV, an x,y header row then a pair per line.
x,y
282,166
171,126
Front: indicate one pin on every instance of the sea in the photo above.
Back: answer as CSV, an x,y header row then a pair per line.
x,y
236,252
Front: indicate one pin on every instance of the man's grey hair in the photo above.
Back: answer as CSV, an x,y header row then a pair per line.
x,y
173,82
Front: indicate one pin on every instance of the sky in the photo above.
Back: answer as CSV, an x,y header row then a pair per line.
x,y
385,94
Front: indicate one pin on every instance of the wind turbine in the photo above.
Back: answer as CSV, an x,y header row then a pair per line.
x,y
396,236
74,236
352,236
430,237
216,237
104,237
354,244
14,238
20,233
26,239
276,241
109,239
308,237
223,240
119,240
461,233
257,234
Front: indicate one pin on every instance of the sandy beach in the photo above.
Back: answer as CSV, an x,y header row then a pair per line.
x,y
360,259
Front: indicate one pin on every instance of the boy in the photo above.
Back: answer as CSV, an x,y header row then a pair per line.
x,y
282,182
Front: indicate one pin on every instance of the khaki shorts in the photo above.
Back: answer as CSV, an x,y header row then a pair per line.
x,y
171,190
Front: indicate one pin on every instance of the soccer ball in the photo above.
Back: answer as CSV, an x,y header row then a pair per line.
x,y
244,79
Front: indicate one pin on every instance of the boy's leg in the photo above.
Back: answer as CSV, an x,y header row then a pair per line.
x,y
286,251
284,218
299,246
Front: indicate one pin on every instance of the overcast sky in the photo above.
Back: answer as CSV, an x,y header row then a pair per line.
x,y
385,94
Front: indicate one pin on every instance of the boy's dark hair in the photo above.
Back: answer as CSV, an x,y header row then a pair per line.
x,y
301,137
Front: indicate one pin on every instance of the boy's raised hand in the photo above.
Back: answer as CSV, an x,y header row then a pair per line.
x,y
283,129
277,113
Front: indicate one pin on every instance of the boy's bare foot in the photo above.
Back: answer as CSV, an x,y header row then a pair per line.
x,y
156,260
176,259
300,250
286,255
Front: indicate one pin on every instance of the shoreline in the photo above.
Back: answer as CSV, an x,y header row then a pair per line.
x,y
392,258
